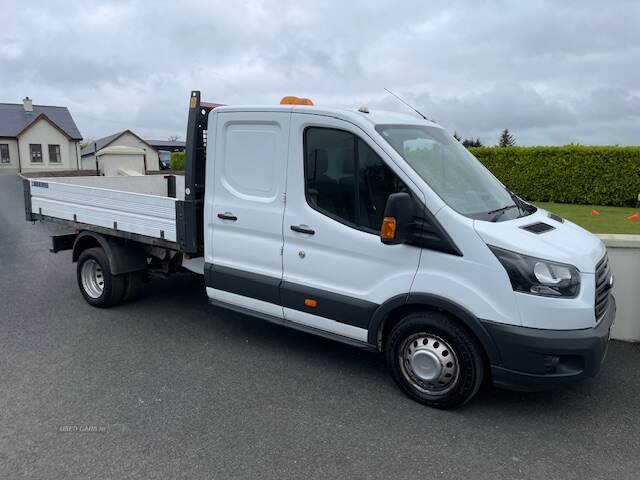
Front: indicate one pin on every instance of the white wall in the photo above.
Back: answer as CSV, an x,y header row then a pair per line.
x,y
88,162
45,134
13,156
111,163
76,154
127,140
624,257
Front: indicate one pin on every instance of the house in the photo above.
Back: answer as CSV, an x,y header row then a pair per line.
x,y
155,151
36,138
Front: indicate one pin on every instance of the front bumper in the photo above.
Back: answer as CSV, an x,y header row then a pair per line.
x,y
536,359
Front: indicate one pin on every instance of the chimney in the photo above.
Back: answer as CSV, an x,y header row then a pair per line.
x,y
27,103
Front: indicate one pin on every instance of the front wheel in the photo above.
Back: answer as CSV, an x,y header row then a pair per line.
x,y
98,286
434,360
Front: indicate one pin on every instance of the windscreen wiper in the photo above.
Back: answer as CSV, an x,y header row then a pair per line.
x,y
500,212
523,207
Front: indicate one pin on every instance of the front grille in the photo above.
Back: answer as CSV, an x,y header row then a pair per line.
x,y
603,273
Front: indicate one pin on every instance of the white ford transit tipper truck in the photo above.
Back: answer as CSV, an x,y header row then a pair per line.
x,y
372,228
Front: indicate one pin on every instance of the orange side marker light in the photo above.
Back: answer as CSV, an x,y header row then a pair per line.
x,y
310,302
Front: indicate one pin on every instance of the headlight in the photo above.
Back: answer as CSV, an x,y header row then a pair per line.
x,y
539,277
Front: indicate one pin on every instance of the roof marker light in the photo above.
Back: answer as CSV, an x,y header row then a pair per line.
x,y
291,100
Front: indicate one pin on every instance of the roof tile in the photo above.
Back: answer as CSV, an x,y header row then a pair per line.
x,y
13,119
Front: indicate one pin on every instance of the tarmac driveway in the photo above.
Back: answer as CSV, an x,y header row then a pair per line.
x,y
183,390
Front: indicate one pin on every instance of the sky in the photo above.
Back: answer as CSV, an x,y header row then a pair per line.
x,y
553,72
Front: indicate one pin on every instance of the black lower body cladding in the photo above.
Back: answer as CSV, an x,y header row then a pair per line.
x,y
535,359
333,306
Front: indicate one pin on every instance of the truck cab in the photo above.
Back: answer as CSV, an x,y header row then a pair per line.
x,y
379,229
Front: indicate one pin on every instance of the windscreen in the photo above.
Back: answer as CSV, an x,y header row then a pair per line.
x,y
450,170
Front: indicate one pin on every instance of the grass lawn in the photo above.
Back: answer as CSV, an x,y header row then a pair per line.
x,y
610,220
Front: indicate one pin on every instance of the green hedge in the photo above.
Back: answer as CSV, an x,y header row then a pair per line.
x,y
177,160
570,174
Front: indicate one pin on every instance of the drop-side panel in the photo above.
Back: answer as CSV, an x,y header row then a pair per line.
x,y
149,215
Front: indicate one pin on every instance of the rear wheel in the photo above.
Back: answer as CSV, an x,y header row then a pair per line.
x,y
434,360
98,286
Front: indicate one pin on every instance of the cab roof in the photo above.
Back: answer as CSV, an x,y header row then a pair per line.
x,y
375,117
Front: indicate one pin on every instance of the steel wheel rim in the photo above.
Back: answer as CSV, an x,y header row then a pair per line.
x,y
429,363
92,278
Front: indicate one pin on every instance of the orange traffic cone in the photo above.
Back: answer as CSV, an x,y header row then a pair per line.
x,y
595,212
635,216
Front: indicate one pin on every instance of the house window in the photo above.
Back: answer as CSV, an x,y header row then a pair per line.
x,y
4,153
36,152
54,154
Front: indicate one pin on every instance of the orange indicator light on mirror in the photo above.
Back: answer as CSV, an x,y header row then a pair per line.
x,y
388,229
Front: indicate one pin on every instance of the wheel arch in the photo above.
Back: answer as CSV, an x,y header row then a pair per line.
x,y
398,307
123,257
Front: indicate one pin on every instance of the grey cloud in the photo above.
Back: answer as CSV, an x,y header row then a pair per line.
x,y
552,72
611,103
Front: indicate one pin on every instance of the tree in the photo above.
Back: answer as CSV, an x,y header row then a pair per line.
x,y
86,142
506,139
174,138
470,142
467,142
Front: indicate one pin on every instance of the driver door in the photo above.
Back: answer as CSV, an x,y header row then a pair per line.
x,y
336,271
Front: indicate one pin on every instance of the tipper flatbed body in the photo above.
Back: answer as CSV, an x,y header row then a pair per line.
x,y
141,208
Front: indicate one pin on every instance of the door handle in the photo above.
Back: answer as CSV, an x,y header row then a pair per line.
x,y
227,216
303,229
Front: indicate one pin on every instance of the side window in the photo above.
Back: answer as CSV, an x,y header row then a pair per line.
x,y
330,172
376,183
345,179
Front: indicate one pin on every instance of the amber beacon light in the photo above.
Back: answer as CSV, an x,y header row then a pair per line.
x,y
291,100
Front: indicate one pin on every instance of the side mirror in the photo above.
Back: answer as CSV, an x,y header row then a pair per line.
x,y
397,218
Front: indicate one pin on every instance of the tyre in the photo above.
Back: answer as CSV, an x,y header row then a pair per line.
x,y
434,360
98,286
133,284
